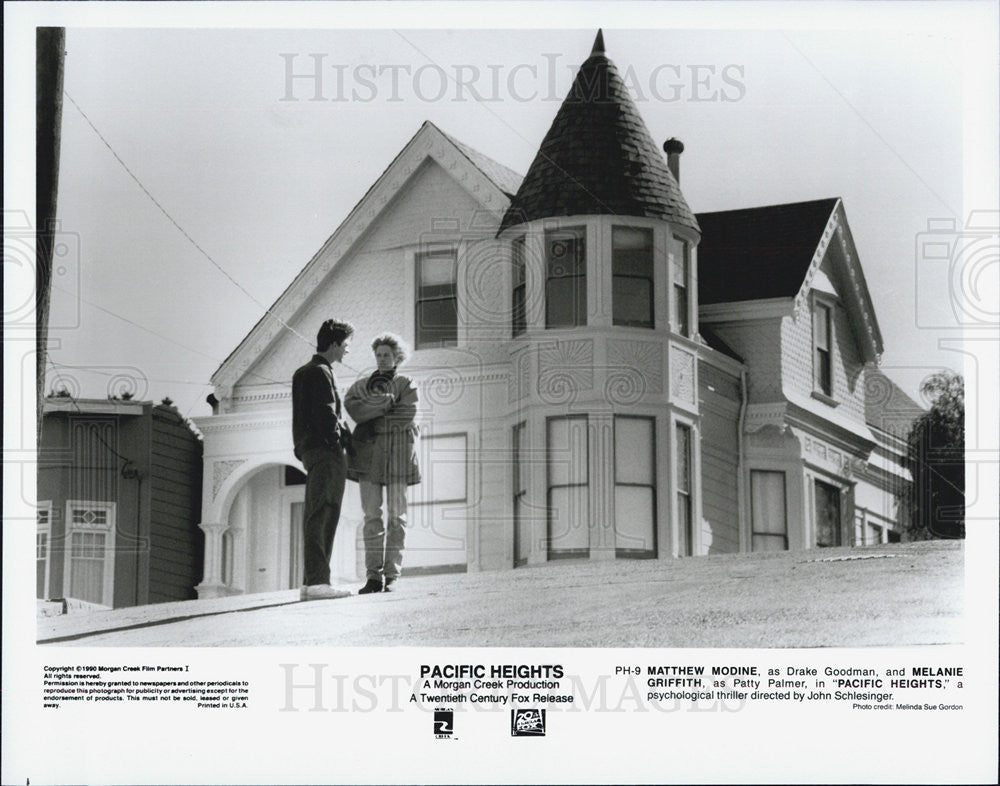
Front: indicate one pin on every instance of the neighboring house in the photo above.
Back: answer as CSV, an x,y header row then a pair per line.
x,y
119,489
603,373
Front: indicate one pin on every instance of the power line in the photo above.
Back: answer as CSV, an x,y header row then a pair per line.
x,y
179,228
135,324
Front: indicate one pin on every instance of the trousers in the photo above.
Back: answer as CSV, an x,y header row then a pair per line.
x,y
326,476
384,541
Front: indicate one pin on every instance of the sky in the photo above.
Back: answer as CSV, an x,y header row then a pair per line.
x,y
257,172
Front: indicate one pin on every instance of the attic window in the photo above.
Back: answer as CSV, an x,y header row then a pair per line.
x,y
822,347
437,308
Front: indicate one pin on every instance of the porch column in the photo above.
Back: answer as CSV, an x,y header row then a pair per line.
x,y
211,583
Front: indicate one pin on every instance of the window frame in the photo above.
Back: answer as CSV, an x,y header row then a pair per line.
x,y
44,528
519,494
426,470
784,489
109,529
649,323
519,284
653,551
827,306
680,318
685,539
420,342
580,234
576,553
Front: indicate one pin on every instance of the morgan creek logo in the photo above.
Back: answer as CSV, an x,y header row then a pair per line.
x,y
444,723
527,723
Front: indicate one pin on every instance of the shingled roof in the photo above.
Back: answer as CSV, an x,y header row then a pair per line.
x,y
598,157
759,252
505,178
887,406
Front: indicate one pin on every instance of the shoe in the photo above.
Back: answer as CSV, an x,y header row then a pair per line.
x,y
373,585
390,585
322,592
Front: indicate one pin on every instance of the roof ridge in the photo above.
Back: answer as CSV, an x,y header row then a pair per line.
x,y
769,207
509,180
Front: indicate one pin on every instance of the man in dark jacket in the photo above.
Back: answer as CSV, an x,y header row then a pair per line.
x,y
384,406
321,437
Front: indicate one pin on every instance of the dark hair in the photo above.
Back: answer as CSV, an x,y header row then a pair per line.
x,y
332,332
399,350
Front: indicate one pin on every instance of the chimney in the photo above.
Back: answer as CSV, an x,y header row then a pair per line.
x,y
673,148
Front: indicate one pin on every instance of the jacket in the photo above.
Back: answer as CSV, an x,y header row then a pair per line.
x,y
385,438
317,420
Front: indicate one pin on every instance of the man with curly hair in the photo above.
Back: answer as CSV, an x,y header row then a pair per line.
x,y
384,407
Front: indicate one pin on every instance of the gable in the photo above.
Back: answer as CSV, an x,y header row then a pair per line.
x,y
372,286
280,323
836,261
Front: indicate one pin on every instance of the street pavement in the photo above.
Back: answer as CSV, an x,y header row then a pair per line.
x,y
891,595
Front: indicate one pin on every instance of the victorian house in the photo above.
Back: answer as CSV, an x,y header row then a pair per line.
x,y
604,374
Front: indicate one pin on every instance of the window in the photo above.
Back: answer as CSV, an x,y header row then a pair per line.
x,y
822,335
685,513
827,514
89,566
768,513
43,537
522,531
568,488
632,276
635,487
443,463
565,277
680,269
518,301
437,310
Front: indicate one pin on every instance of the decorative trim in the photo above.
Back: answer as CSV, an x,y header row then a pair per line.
x,y
639,363
837,228
760,415
746,310
221,470
564,368
682,375
242,425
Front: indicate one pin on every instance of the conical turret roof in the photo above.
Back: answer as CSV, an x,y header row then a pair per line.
x,y
598,157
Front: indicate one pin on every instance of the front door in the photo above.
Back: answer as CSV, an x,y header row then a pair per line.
x,y
827,515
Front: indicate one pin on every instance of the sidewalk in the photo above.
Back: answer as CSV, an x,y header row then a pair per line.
x,y
892,595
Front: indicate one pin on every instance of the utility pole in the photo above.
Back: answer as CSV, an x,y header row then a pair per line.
x,y
50,54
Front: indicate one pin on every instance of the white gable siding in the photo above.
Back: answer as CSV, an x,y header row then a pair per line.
x,y
846,358
351,293
373,287
432,207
